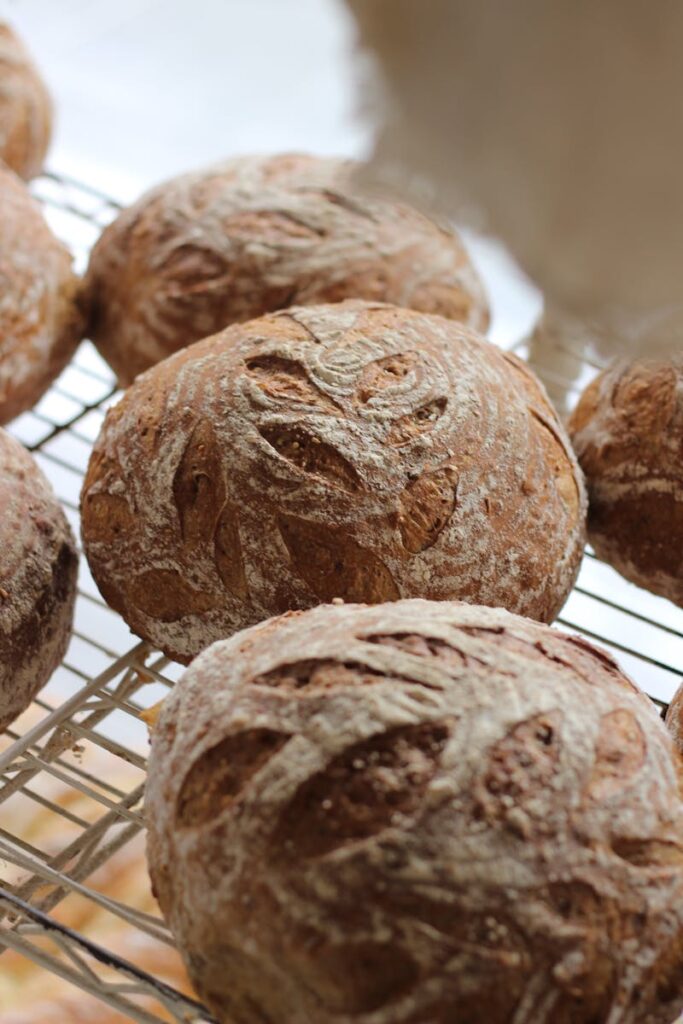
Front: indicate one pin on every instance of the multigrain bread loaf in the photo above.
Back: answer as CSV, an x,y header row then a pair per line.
x,y
40,319
674,718
259,234
628,431
38,565
25,108
355,450
418,812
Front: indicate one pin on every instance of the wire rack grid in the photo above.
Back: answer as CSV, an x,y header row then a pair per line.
x,y
77,757
72,767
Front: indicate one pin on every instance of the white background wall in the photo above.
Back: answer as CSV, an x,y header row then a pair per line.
x,y
147,88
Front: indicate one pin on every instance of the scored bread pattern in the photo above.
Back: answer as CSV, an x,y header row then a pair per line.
x,y
356,451
40,320
674,718
418,812
627,431
38,564
25,108
257,234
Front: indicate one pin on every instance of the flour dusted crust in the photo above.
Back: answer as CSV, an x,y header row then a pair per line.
x,y
355,450
628,433
257,234
40,319
38,565
674,718
25,108
418,812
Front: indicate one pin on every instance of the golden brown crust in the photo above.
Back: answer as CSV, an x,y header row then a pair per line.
x,y
418,812
38,565
25,108
259,234
357,451
41,321
627,431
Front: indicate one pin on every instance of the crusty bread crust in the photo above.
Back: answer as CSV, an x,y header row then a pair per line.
x,y
418,812
40,317
38,565
674,719
628,432
257,234
354,450
25,108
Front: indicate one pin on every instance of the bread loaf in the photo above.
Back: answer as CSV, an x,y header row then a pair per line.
x,y
627,431
355,450
40,319
674,718
25,108
38,565
418,812
255,235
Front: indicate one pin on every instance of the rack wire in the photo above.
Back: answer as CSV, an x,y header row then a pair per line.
x,y
78,754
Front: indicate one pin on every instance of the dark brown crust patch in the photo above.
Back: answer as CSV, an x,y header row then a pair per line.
x,y
228,552
308,453
218,778
333,564
362,791
198,486
426,507
165,595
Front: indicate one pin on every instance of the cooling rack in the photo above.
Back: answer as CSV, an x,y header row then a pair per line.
x,y
75,761
78,755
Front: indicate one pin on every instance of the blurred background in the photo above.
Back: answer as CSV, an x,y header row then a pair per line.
x,y
144,89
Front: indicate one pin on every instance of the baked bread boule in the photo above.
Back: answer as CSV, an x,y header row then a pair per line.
x,y
627,431
25,108
40,318
257,234
418,812
674,718
38,564
355,450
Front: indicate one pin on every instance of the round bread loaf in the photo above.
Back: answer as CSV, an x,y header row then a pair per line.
x,y
38,564
25,108
258,234
40,319
674,718
628,432
356,450
418,812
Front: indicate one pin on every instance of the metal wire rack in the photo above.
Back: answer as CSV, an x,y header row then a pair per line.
x,y
79,753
